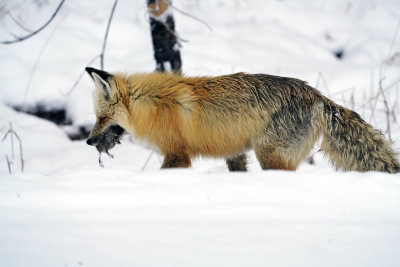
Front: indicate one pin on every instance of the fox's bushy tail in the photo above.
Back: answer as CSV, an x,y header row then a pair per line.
x,y
354,145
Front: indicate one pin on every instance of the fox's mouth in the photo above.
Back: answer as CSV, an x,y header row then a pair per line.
x,y
107,139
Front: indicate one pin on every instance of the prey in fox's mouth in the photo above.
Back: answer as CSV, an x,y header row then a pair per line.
x,y
107,140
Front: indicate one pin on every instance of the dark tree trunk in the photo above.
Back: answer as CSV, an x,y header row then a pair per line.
x,y
165,43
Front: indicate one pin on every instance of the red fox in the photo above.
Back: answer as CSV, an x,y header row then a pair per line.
x,y
225,116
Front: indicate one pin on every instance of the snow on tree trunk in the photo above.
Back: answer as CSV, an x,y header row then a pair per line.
x,y
165,43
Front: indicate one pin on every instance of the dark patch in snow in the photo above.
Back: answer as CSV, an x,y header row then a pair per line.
x,y
57,115
339,53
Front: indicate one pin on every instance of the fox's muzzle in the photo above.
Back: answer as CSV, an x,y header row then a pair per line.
x,y
107,139
93,141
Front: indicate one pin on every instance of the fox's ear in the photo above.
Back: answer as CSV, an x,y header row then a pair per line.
x,y
102,80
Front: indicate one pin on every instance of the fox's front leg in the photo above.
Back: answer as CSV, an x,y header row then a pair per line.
x,y
176,160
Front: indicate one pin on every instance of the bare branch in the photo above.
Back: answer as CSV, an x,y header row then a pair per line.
x,y
20,39
382,71
12,142
395,106
38,59
106,35
5,135
79,77
352,100
391,47
188,15
320,77
371,91
17,22
396,82
101,55
12,132
20,152
381,90
180,39
147,161
387,109
8,164
14,35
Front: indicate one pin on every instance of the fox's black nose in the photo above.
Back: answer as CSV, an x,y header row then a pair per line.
x,y
93,141
89,141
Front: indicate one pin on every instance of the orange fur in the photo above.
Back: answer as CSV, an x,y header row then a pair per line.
x,y
174,122
280,118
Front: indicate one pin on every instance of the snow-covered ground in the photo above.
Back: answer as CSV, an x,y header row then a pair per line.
x,y
64,210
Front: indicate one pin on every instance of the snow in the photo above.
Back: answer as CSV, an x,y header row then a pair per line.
x,y
117,217
64,210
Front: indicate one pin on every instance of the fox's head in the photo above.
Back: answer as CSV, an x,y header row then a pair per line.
x,y
111,112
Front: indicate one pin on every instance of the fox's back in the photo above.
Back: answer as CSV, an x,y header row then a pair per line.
x,y
231,111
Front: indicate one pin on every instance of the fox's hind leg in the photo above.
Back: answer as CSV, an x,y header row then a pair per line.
x,y
237,163
290,136
176,160
270,157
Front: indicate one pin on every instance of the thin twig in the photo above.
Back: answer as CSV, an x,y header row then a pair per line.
x,y
12,34
387,109
374,98
364,99
322,78
395,105
381,78
371,91
12,142
392,44
12,132
382,71
106,35
352,99
173,32
344,99
17,22
20,39
318,78
147,161
79,77
382,68
38,59
20,152
188,15
101,55
8,164
180,39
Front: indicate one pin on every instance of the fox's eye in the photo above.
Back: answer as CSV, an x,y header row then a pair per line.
x,y
102,120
